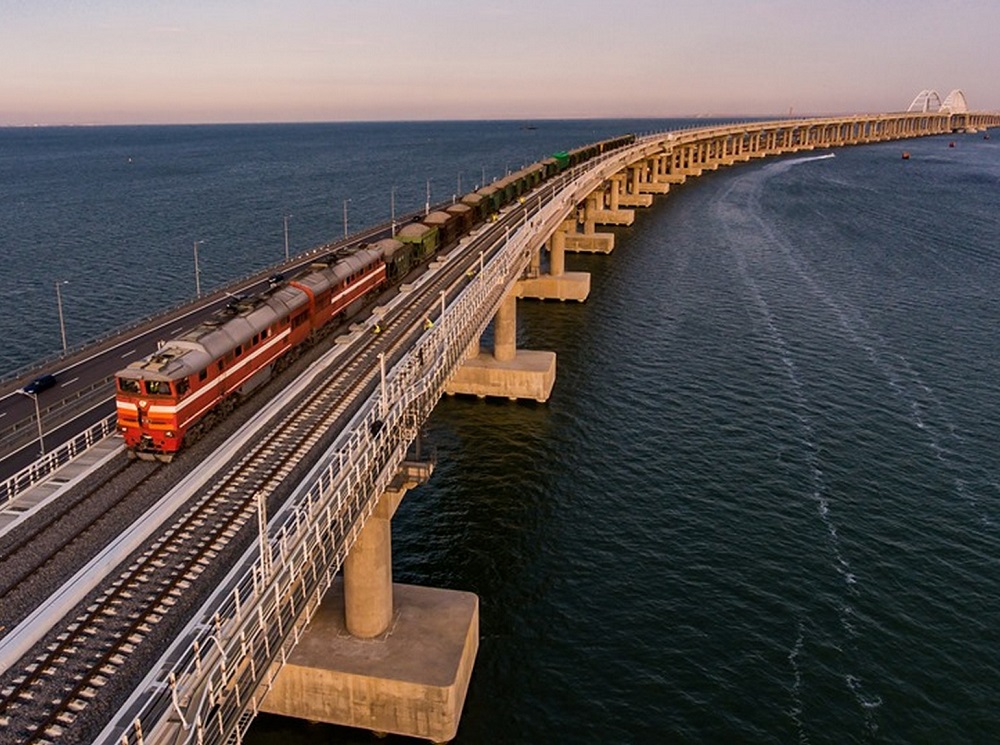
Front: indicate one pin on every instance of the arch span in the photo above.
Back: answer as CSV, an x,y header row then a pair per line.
x,y
955,102
926,101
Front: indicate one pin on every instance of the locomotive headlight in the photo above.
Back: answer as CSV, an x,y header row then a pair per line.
x,y
170,434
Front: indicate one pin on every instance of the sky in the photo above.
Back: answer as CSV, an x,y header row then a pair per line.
x,y
207,61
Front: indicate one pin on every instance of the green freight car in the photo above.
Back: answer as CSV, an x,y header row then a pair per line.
x,y
424,238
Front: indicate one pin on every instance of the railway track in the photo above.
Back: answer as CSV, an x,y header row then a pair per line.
x,y
51,697
46,550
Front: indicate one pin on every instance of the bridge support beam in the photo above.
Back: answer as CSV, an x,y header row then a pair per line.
x,y
620,197
648,181
589,241
603,206
509,372
558,284
387,658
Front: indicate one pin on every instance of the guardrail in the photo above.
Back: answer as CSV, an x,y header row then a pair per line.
x,y
55,459
55,415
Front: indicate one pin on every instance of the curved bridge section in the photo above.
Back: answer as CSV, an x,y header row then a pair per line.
x,y
208,686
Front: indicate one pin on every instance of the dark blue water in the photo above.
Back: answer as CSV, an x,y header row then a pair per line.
x,y
762,504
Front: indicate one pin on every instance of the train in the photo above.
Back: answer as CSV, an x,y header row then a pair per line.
x,y
171,397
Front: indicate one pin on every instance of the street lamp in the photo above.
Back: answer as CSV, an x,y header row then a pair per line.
x,y
38,419
62,322
345,218
286,236
392,209
197,272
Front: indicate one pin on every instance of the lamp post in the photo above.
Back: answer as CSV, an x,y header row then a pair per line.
x,y
62,322
286,236
392,209
197,271
38,420
345,218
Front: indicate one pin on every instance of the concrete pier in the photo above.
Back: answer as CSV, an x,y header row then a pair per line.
x,y
598,243
558,284
508,372
410,681
588,241
382,656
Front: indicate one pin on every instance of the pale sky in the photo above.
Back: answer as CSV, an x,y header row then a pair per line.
x,y
170,61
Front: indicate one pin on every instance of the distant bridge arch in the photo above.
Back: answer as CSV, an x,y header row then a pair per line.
x,y
926,101
955,102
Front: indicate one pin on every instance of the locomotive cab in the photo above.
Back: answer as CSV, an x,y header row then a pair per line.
x,y
150,397
147,412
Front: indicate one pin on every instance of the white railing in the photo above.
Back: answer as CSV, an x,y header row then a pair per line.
x,y
50,462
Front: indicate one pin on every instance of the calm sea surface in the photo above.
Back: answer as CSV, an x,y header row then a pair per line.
x,y
763,503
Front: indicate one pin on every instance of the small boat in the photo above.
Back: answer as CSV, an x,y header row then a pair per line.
x,y
986,136
906,155
951,144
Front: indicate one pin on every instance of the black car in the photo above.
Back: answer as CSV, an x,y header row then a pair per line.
x,y
38,385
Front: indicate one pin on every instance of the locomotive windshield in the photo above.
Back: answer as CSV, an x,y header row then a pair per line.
x,y
158,387
128,385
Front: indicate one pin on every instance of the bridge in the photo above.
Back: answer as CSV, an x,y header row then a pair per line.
x,y
237,565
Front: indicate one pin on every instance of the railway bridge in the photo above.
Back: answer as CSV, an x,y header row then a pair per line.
x,y
287,625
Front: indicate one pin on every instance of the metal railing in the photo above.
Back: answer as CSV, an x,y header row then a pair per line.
x,y
50,462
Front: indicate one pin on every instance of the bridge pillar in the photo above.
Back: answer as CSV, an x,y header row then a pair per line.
x,y
648,182
557,252
672,173
610,215
368,575
689,161
505,330
509,372
410,677
558,284
589,241
622,197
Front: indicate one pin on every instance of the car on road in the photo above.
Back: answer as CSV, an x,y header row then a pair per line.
x,y
40,384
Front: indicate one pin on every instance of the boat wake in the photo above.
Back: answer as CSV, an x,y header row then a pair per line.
x,y
735,222
783,165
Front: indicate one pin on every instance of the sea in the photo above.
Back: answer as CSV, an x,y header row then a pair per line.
x,y
763,502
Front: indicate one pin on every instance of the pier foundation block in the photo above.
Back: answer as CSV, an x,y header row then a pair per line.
x,y
529,375
566,286
411,680
602,243
614,217
636,200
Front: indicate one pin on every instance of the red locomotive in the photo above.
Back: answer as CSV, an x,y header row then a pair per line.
x,y
201,373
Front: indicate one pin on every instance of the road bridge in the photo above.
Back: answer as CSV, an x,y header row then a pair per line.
x,y
350,424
